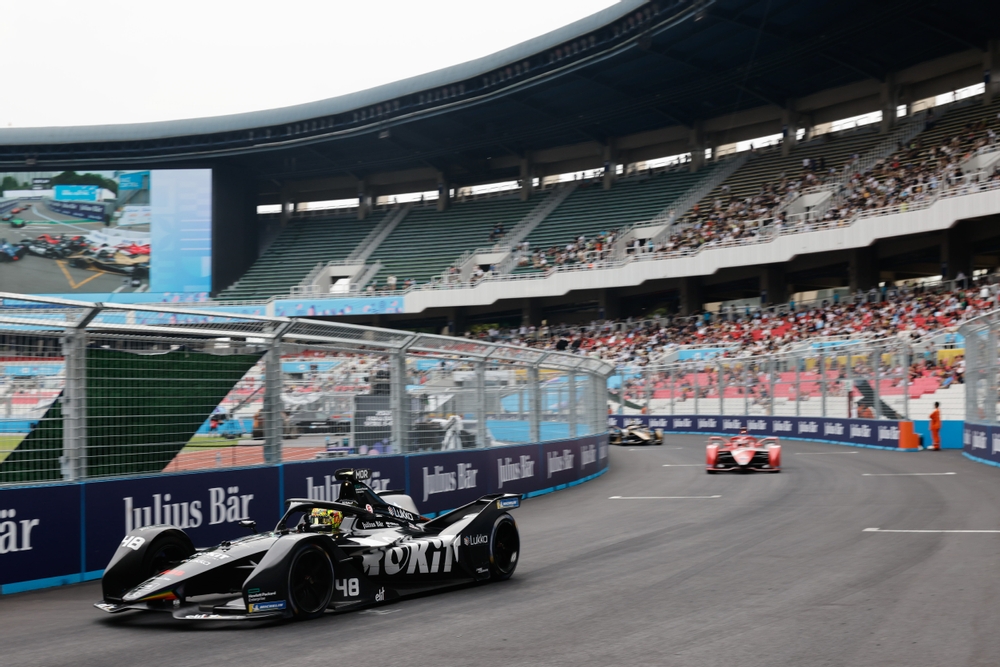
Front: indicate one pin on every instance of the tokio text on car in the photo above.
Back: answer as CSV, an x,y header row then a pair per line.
x,y
356,550
742,453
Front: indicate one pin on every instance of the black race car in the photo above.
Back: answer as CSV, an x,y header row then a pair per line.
x,y
358,550
634,434
306,422
10,252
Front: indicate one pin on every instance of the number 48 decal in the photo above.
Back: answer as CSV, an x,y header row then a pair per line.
x,y
351,588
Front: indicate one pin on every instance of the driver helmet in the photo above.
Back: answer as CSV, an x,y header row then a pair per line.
x,y
323,517
743,431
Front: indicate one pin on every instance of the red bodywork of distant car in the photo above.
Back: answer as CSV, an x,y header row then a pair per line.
x,y
743,453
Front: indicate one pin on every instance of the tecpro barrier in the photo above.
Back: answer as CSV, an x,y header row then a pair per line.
x,y
881,434
66,533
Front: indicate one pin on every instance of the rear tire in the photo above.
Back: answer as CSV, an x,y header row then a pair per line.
x,y
505,547
310,581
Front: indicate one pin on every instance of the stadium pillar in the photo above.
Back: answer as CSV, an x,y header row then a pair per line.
x,y
790,129
956,253
608,304
444,193
890,100
456,320
530,313
690,295
863,268
287,207
610,164
364,201
527,177
773,288
991,60
696,140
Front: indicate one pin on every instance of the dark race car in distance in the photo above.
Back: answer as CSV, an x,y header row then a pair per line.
x,y
353,551
634,434
742,453
305,422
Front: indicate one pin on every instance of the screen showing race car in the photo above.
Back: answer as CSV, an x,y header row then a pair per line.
x,y
68,233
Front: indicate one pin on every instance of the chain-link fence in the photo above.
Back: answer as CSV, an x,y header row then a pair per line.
x,y
881,380
981,345
92,390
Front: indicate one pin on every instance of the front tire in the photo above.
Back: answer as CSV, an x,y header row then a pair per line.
x,y
310,582
166,552
505,547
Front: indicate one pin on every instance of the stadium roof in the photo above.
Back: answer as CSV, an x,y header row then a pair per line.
x,y
696,66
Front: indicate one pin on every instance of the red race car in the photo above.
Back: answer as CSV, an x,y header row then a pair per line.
x,y
743,453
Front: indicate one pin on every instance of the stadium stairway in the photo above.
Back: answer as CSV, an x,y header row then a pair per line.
x,y
296,251
590,209
427,241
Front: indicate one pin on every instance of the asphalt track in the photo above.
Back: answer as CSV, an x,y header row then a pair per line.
x,y
744,571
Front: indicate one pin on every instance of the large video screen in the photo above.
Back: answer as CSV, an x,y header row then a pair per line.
x,y
66,232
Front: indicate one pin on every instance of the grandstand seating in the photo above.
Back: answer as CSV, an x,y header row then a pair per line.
x,y
591,210
834,149
428,241
297,250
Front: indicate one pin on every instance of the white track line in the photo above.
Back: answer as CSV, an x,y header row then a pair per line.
x,y
883,530
905,474
683,465
662,497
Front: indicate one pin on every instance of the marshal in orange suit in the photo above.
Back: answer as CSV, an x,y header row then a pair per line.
x,y
936,427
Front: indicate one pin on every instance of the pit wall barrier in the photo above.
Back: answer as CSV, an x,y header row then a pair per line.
x,y
60,534
981,443
872,433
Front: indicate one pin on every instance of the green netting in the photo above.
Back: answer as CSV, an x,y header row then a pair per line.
x,y
36,458
141,411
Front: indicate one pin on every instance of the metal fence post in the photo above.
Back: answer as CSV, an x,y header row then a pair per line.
x,y
875,388
771,363
649,390
822,382
534,405
850,382
571,403
746,389
74,406
722,389
621,393
481,440
397,401
798,387
696,384
906,382
274,421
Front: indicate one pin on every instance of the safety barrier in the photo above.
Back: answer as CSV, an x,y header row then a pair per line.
x,y
59,534
981,443
872,433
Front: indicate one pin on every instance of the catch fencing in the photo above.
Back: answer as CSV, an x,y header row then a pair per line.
x,y
887,379
981,436
92,391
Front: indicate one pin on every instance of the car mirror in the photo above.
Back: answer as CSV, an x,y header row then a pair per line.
x,y
249,523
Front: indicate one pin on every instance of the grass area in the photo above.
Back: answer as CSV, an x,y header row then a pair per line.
x,y
8,443
198,443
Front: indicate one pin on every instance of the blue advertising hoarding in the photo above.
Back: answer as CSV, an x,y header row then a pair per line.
x,y
861,432
133,181
77,192
66,533
207,505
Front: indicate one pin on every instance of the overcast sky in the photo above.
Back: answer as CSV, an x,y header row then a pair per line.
x,y
103,61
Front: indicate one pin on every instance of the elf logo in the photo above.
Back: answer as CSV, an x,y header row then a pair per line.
x,y
15,535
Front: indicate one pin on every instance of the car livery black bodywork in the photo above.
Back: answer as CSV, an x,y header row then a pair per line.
x,y
381,549
634,434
